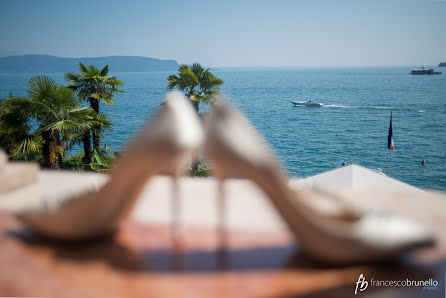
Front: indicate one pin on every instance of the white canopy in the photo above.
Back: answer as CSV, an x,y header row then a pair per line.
x,y
355,177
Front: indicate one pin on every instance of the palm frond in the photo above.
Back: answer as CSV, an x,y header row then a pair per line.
x,y
188,80
115,154
114,81
64,126
172,81
83,68
101,122
40,86
208,81
104,71
197,69
183,67
29,144
82,113
99,156
69,76
105,98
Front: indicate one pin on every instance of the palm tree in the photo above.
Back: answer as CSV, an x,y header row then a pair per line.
x,y
16,136
198,84
45,121
93,86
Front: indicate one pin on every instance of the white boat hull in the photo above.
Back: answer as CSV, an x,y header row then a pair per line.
x,y
307,104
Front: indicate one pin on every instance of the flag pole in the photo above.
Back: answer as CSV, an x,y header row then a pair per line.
x,y
390,167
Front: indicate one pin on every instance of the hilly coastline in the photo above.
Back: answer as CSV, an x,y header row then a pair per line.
x,y
48,64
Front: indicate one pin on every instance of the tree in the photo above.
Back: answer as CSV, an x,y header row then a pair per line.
x,y
44,121
93,86
198,84
16,136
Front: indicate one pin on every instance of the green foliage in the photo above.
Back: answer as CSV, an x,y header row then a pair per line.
x,y
113,153
15,130
198,84
93,83
44,121
74,162
95,86
100,122
102,160
55,107
200,169
50,120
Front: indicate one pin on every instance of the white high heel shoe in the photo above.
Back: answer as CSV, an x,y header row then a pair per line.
x,y
234,147
76,205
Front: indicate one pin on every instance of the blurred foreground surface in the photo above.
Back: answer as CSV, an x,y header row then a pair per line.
x,y
262,259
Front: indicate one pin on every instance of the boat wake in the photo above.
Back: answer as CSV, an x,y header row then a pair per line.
x,y
357,107
373,108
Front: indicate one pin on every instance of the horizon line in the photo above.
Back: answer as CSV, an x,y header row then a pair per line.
x,y
239,66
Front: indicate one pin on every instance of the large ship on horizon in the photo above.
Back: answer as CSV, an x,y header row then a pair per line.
x,y
424,71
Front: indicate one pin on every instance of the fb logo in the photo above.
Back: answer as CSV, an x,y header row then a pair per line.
x,y
362,283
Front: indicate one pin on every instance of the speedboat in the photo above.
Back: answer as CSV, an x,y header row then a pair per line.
x,y
309,103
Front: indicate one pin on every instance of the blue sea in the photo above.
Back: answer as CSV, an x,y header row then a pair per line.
x,y
352,127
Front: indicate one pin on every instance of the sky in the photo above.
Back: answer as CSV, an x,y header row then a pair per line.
x,y
305,33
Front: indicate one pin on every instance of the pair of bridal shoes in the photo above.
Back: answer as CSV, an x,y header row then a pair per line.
x,y
338,235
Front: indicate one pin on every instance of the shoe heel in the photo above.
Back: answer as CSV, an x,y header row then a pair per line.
x,y
175,228
176,231
222,213
175,211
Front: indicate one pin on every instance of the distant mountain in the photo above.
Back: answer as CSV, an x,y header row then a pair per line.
x,y
47,63
442,64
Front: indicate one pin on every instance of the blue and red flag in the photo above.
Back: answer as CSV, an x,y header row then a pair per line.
x,y
390,144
